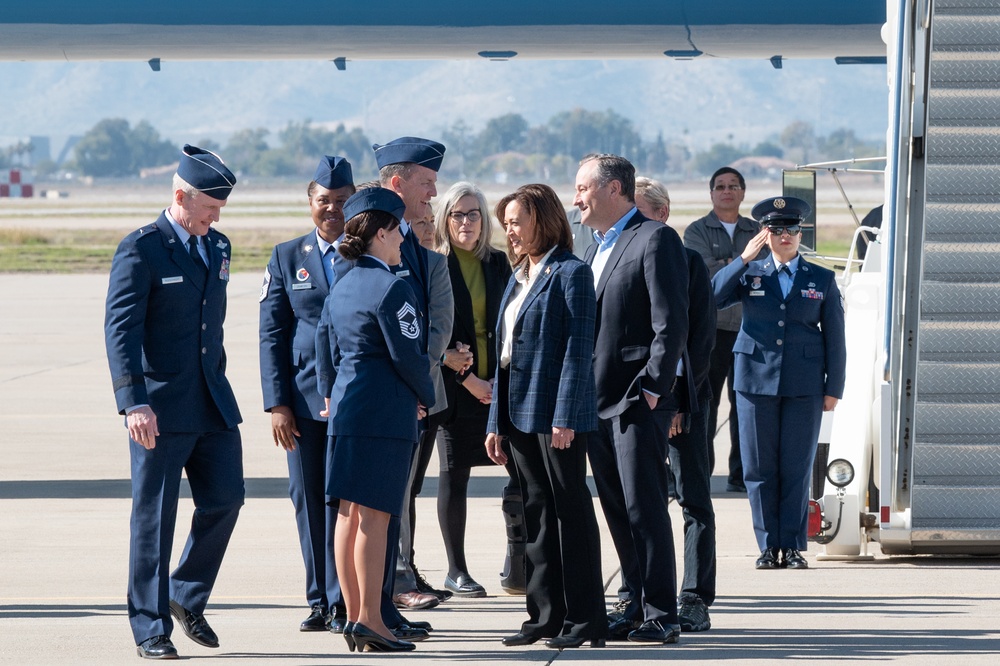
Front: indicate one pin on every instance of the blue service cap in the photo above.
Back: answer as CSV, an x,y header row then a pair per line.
x,y
333,172
781,211
409,149
206,172
374,198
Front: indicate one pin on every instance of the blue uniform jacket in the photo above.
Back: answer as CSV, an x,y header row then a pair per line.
x,y
373,328
790,346
163,329
551,367
291,303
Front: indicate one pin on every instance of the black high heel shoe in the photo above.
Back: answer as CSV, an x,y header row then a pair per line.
x,y
368,640
349,636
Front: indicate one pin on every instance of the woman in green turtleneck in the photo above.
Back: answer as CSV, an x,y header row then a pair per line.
x,y
479,275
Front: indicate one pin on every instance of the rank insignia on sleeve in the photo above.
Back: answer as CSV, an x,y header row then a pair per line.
x,y
408,324
263,287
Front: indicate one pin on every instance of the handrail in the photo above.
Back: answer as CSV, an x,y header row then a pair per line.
x,y
901,100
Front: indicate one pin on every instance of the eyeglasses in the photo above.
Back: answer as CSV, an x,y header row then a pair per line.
x,y
723,188
791,230
472,216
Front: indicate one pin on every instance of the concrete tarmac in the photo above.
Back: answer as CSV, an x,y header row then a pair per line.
x,y
64,513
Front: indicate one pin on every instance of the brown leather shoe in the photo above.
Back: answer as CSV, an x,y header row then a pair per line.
x,y
415,600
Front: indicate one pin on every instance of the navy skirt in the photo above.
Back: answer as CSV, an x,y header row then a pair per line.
x,y
370,471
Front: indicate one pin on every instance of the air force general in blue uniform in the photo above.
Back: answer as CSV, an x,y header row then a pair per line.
x,y
790,366
163,329
297,280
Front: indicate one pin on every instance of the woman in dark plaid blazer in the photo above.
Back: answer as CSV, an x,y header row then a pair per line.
x,y
544,402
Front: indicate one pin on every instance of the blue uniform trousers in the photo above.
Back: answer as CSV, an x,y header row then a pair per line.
x,y
778,438
628,456
689,465
213,462
308,468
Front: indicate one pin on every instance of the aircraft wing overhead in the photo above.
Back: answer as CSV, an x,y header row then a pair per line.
x,y
439,29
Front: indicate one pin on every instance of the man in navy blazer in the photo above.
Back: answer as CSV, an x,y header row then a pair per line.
x,y
641,277
163,330
297,280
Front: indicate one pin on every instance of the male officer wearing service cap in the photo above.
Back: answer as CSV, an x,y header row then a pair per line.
x,y
408,166
296,282
791,360
165,310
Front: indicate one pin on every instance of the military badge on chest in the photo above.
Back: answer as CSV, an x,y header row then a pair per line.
x,y
755,287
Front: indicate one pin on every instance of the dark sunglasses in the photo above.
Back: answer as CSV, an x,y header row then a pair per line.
x,y
792,229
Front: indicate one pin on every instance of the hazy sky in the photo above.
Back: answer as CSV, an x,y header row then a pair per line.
x,y
702,101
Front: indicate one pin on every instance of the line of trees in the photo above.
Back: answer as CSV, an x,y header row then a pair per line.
x,y
508,147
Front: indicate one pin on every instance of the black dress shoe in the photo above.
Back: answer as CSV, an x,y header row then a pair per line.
x,y
563,642
519,638
194,625
621,628
793,559
157,647
336,624
768,559
464,586
368,641
418,624
317,621
407,632
653,631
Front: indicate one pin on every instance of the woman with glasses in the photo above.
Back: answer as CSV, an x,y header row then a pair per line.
x,y
478,277
791,359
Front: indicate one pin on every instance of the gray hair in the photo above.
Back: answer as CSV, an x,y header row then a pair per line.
x,y
653,191
614,167
187,188
442,237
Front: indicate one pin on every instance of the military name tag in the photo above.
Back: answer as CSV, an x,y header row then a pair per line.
x,y
173,280
757,293
403,274
302,285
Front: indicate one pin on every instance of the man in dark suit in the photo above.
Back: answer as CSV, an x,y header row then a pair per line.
x,y
689,459
408,166
641,278
165,309
297,280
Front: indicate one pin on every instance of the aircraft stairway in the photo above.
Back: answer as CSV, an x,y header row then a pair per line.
x,y
953,475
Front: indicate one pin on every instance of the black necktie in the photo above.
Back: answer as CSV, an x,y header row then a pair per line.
x,y
195,254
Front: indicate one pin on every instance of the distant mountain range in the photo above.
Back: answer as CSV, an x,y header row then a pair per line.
x,y
697,102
